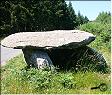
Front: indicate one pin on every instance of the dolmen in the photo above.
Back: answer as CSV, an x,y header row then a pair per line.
x,y
35,45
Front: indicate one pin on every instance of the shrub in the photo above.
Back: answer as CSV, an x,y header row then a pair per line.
x,y
67,80
38,79
96,28
102,42
102,32
104,17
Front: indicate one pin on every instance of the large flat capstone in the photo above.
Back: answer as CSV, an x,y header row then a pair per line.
x,y
49,39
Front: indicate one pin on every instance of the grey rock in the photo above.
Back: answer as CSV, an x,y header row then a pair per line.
x,y
37,58
49,39
82,58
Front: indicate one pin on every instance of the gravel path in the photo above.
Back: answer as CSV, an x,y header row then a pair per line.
x,y
8,53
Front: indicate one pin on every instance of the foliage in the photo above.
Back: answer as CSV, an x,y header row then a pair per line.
x,y
81,19
34,15
17,79
39,79
67,80
91,60
101,27
72,15
78,19
104,17
37,15
98,29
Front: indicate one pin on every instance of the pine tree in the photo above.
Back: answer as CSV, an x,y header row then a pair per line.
x,y
37,15
72,14
62,19
81,19
86,20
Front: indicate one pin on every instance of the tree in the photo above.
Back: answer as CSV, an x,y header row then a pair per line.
x,y
104,17
86,20
62,19
81,19
5,20
14,17
21,19
37,15
72,14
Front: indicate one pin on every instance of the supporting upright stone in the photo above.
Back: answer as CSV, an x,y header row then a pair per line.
x,y
37,58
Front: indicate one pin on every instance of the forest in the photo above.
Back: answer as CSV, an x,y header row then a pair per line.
x,y
37,15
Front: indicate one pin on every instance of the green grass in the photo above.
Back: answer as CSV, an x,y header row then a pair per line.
x,y
16,79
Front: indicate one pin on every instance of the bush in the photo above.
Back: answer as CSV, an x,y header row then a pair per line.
x,y
104,17
102,31
39,79
67,80
102,42
96,28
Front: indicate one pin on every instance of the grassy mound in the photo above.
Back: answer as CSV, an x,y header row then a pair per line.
x,y
17,79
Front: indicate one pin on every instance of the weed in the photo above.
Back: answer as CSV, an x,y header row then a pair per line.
x,y
67,80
